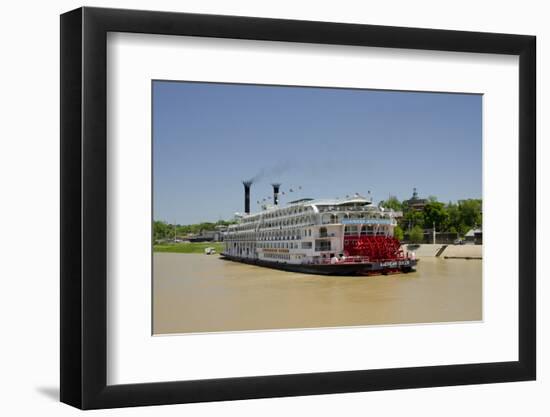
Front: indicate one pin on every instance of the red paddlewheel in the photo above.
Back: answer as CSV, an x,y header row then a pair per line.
x,y
374,247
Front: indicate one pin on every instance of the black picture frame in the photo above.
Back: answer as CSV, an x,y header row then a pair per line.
x,y
84,207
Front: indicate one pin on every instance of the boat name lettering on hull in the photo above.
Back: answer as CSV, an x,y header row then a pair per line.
x,y
395,264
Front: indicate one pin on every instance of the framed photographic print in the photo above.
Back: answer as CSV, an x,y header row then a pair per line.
x,y
256,208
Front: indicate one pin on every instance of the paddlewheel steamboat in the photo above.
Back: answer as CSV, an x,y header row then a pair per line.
x,y
349,236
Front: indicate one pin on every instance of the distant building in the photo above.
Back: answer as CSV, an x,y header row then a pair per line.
x,y
208,236
474,236
415,203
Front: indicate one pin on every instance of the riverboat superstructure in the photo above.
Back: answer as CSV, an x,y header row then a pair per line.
x,y
348,236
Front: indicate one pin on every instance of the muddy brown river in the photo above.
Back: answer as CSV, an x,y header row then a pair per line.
x,y
199,293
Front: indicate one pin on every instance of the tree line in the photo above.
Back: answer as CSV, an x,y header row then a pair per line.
x,y
164,230
452,217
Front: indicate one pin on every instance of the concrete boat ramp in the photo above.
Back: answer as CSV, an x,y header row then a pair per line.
x,y
445,251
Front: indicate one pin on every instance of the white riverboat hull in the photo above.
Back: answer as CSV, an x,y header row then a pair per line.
x,y
339,269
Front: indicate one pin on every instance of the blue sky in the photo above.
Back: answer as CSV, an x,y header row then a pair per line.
x,y
208,137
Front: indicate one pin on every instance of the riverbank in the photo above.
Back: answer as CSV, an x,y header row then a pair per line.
x,y
188,247
445,251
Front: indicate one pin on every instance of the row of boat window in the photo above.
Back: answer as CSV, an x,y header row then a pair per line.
x,y
350,207
281,245
292,234
279,213
320,245
290,221
277,255
328,218
367,230
289,234
240,247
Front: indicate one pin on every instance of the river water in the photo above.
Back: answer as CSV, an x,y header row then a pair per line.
x,y
199,293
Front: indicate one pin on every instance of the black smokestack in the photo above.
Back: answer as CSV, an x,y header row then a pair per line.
x,y
247,185
276,193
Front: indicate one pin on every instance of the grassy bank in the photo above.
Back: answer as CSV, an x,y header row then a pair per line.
x,y
197,247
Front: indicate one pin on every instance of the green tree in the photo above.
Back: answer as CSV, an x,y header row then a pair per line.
x,y
470,213
391,203
435,214
161,230
205,226
416,235
452,224
398,233
412,218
